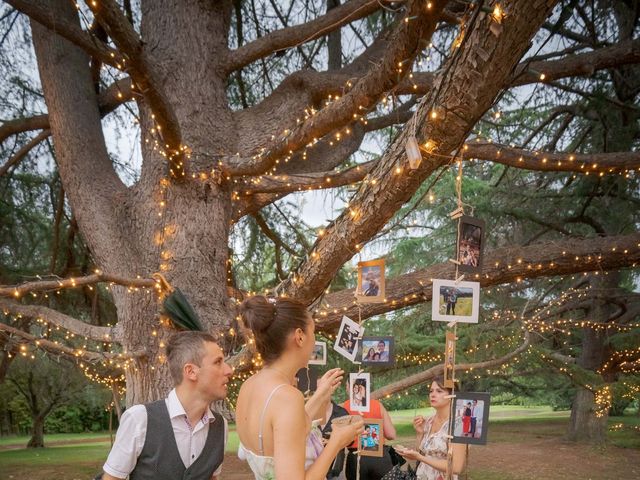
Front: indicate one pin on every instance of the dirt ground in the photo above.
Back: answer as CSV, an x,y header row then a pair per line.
x,y
544,459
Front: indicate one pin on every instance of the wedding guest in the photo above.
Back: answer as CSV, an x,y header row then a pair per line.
x,y
179,436
431,436
272,420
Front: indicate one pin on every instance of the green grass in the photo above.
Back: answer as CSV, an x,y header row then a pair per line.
x,y
464,306
54,437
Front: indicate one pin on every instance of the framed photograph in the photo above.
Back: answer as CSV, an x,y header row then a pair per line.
x,y
449,359
347,338
470,244
377,350
359,391
319,354
370,281
459,302
307,379
471,417
371,441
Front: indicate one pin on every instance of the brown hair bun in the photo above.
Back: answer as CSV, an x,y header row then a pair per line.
x,y
271,321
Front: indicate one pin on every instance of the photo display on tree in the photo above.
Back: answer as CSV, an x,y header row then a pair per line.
x,y
455,301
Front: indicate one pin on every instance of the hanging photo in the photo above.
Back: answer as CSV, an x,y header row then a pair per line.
x,y
377,350
307,380
370,281
471,417
371,441
319,354
347,338
449,359
459,302
470,244
359,392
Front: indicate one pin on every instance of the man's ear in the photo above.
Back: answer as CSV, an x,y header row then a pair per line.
x,y
190,371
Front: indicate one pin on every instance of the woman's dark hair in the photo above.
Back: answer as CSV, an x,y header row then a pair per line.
x,y
271,322
439,379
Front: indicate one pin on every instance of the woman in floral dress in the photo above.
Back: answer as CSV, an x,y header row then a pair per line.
x,y
431,436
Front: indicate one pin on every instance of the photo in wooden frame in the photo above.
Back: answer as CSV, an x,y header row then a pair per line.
x,y
371,442
371,284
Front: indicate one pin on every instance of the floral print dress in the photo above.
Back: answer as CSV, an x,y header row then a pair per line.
x,y
434,444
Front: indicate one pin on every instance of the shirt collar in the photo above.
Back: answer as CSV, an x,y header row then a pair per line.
x,y
176,409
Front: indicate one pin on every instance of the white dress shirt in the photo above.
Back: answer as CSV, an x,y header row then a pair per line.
x,y
133,430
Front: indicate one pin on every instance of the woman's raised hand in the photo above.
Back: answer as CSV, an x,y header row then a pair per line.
x,y
419,424
329,382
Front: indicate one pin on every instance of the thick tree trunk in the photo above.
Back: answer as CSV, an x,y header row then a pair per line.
x,y
588,421
37,432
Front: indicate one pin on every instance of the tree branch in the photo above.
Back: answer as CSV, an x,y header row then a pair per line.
x,y
20,154
503,265
109,99
311,181
298,34
595,163
432,372
18,291
77,327
403,47
57,348
49,18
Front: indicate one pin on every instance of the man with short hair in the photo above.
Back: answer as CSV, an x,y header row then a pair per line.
x,y
178,437
384,355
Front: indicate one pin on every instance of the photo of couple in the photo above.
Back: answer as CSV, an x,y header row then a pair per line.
x,y
360,391
377,350
471,414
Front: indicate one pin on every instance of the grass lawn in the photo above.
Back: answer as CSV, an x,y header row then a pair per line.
x,y
513,430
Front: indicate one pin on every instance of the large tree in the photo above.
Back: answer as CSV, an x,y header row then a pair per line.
x,y
239,106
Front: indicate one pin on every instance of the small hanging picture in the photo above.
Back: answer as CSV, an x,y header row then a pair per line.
x,y
471,417
370,282
455,301
371,441
470,244
347,338
359,392
319,354
449,359
377,351
307,380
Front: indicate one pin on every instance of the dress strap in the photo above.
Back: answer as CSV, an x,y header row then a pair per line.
x,y
264,411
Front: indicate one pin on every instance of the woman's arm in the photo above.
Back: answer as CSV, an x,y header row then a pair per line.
x,y
388,428
289,440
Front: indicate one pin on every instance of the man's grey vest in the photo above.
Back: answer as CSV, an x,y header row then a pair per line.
x,y
160,459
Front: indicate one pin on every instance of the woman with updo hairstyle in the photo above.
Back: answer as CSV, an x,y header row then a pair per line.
x,y
272,420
